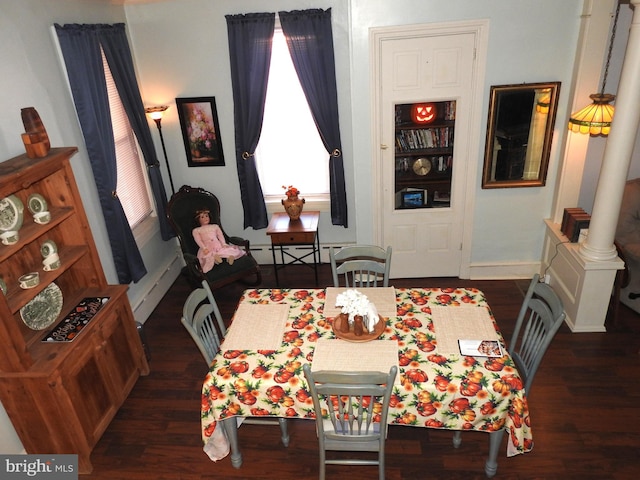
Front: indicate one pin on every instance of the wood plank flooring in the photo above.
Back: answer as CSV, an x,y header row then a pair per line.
x,y
585,408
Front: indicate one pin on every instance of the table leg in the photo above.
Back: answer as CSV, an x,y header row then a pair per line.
x,y
284,431
316,249
230,426
491,465
275,265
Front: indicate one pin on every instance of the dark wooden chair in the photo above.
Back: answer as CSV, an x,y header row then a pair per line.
x,y
181,214
621,281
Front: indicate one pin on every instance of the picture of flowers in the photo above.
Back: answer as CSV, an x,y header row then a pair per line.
x,y
200,131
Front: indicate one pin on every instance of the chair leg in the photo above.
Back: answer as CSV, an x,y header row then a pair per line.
x,y
323,464
284,432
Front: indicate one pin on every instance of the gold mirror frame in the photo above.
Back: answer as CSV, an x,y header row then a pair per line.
x,y
519,134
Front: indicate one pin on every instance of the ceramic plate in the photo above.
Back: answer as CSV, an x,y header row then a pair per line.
x,y
36,203
48,247
44,309
11,209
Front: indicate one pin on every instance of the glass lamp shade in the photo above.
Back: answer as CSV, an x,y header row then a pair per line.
x,y
155,112
594,119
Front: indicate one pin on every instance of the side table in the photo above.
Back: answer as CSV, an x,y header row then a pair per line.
x,y
304,231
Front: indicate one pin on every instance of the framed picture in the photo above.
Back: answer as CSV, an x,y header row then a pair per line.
x,y
200,131
412,199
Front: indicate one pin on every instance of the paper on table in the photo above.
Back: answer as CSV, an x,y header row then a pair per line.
x,y
384,298
340,355
453,323
257,327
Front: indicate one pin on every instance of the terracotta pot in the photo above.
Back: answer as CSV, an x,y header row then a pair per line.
x,y
344,325
293,206
358,325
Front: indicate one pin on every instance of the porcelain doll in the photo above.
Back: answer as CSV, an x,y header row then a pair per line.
x,y
213,247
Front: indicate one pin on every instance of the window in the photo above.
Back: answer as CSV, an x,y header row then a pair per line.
x,y
133,189
290,151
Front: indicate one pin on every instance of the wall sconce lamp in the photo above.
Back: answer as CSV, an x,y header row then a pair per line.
x,y
595,119
156,114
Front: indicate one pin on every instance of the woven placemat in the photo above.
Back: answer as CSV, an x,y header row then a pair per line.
x,y
340,355
384,298
451,324
257,327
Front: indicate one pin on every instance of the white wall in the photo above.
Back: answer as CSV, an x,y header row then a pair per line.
x,y
596,148
181,49
526,44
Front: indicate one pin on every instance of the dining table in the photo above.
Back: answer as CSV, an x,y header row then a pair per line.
x,y
274,332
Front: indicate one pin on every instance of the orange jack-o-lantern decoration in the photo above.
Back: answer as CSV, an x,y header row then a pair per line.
x,y
423,112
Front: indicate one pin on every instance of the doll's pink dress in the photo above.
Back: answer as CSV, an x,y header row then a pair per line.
x,y
211,241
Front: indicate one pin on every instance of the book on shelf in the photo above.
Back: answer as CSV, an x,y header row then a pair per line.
x,y
441,197
576,222
565,218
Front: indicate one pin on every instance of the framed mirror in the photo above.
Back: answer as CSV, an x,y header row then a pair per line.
x,y
519,134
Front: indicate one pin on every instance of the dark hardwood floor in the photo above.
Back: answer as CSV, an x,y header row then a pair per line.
x,y
585,408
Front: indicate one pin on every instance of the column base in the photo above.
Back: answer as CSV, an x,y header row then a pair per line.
x,y
584,285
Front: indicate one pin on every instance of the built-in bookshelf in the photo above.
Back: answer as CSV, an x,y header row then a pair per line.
x,y
424,141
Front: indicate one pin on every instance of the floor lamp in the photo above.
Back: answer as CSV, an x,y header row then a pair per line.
x,y
156,113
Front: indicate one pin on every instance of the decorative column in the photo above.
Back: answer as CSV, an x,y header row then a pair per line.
x,y
583,275
617,154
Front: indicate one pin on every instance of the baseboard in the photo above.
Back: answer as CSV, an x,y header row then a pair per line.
x,y
503,271
165,277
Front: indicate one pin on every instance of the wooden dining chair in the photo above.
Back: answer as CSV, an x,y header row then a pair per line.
x,y
356,404
201,318
360,266
539,319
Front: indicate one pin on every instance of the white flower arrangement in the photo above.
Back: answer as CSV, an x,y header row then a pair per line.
x,y
355,303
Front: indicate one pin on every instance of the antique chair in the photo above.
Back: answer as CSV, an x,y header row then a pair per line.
x,y
539,319
627,241
361,266
202,320
353,424
181,214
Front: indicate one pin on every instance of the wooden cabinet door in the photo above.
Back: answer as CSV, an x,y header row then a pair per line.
x,y
105,371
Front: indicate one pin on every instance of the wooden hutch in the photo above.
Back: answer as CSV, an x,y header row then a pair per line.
x,y
61,396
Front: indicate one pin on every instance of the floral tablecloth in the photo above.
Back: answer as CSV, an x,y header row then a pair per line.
x,y
452,392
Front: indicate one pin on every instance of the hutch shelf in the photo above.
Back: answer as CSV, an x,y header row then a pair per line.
x,y
61,395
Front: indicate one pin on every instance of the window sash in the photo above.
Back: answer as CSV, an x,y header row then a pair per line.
x,y
132,187
304,161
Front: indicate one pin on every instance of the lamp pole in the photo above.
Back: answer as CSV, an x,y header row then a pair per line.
x,y
156,113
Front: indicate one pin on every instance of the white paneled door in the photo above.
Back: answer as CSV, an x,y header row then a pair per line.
x,y
414,67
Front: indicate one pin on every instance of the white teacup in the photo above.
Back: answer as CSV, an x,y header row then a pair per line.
x,y
29,280
52,262
42,217
10,237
